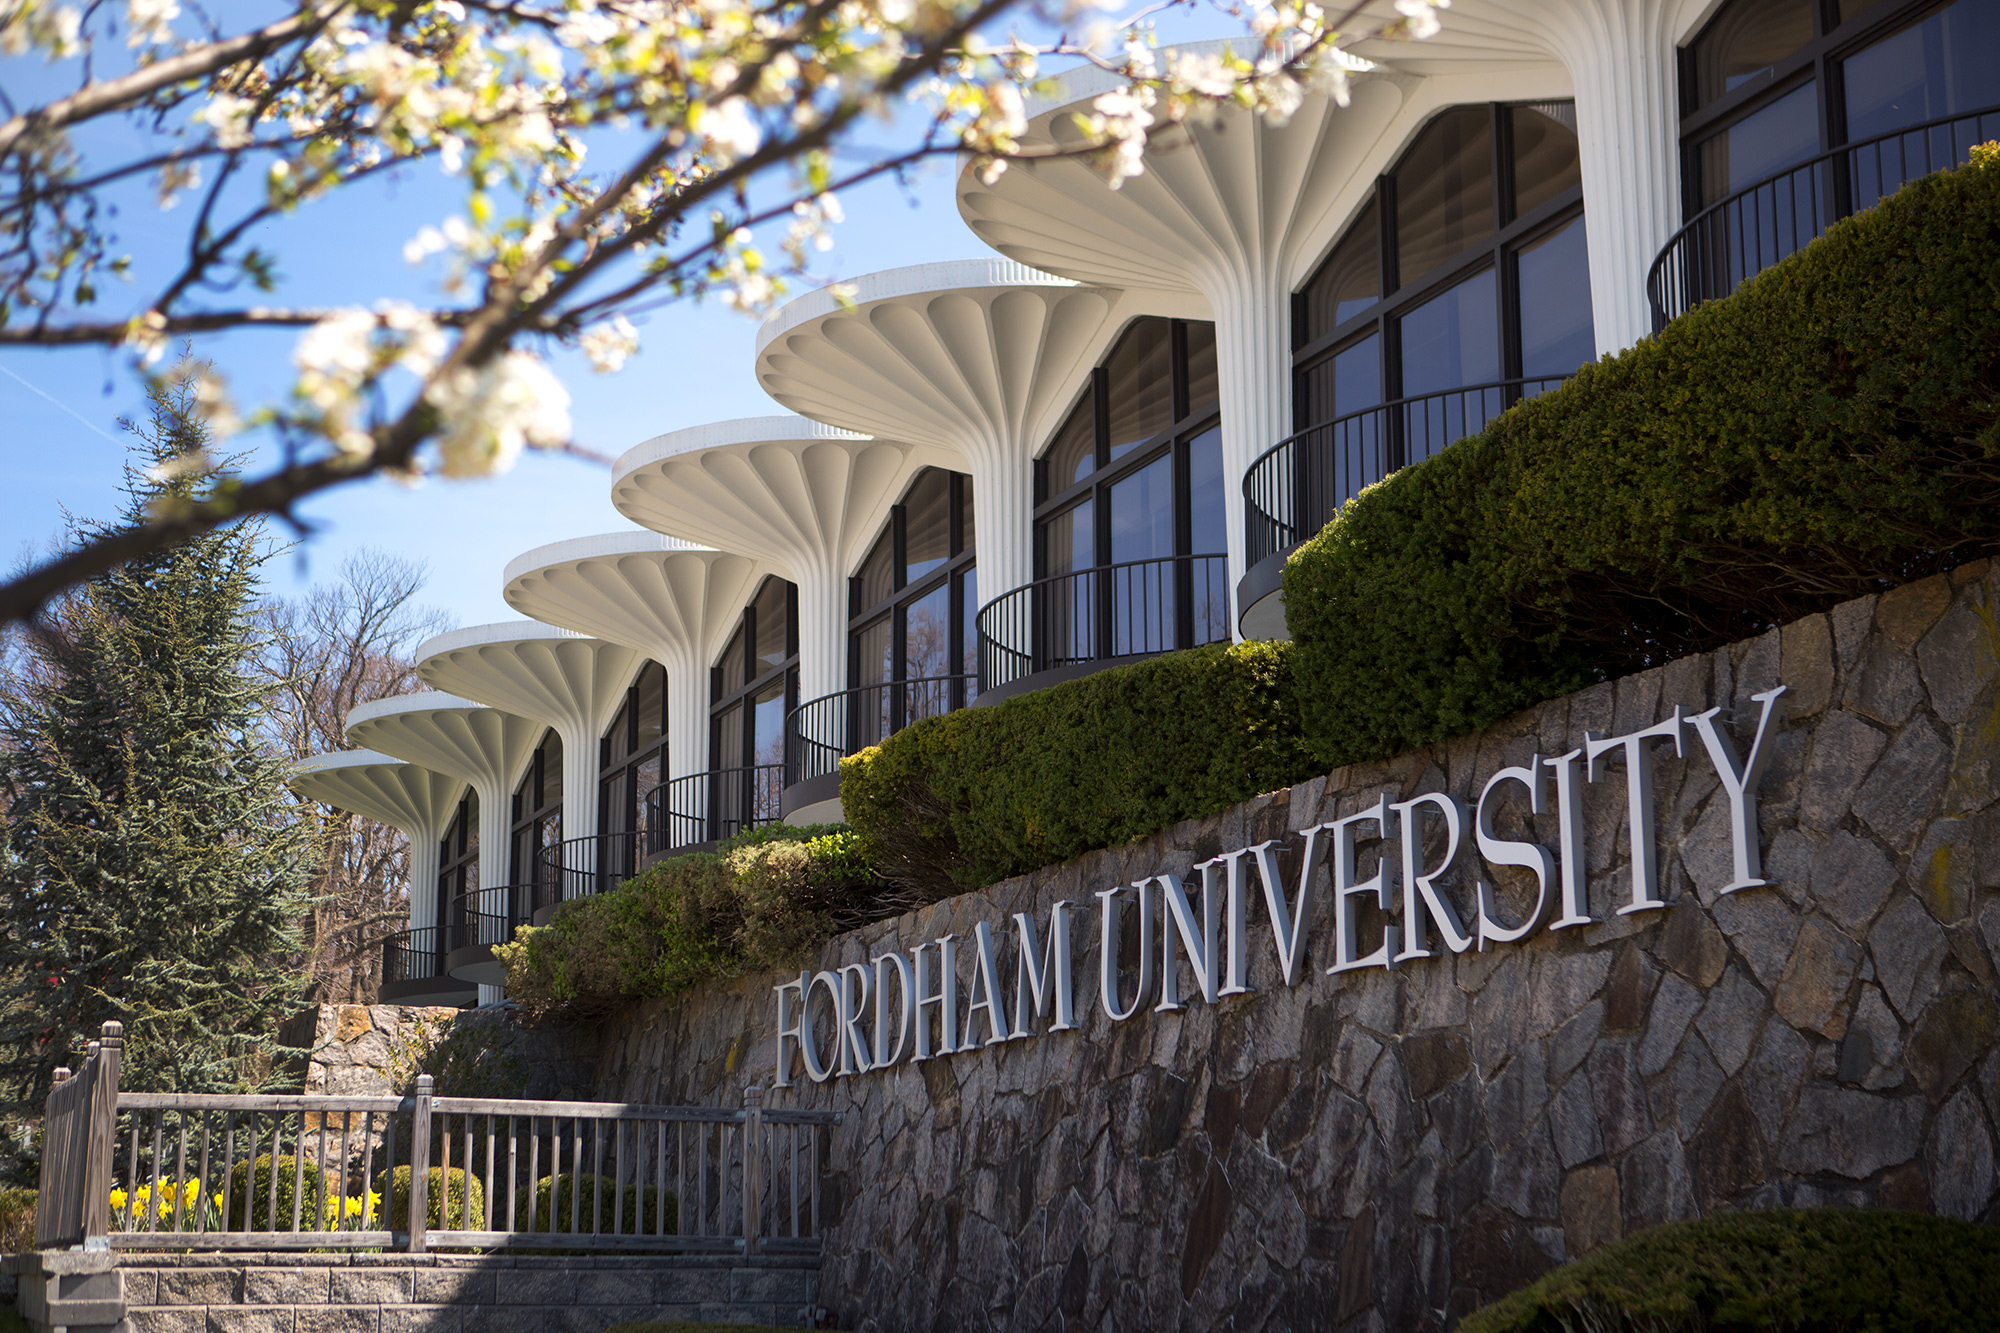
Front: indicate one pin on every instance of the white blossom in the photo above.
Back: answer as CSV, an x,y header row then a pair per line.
x,y
608,345
730,129
487,416
150,22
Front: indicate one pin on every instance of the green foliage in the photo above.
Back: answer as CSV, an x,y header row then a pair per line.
x,y
1831,429
963,800
396,1193
250,1195
759,900
641,1207
17,1220
152,862
1822,1271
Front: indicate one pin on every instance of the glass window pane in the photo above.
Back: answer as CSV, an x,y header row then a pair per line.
x,y
1203,384
874,660
1945,65
1142,513
1349,281
1142,399
1073,453
1546,158
728,752
615,735
927,635
1780,135
968,640
1747,38
1453,339
926,524
965,514
552,770
772,628
1556,331
1346,382
767,720
1208,495
1444,191
733,675
652,704
1071,538
471,817
877,575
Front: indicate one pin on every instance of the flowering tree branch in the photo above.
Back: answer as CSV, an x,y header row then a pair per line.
x,y
728,112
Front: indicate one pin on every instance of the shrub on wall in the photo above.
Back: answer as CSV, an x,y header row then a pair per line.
x,y
632,1210
963,800
1826,431
463,1210
759,900
1821,1269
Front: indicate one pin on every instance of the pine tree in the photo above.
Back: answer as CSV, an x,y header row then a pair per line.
x,y
153,865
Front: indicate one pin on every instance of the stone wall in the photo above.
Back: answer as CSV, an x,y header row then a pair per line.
x,y
359,1051
1389,1149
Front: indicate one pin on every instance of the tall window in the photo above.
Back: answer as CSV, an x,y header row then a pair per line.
x,y
632,756
1130,499
458,857
1463,285
911,644
1769,84
538,829
753,686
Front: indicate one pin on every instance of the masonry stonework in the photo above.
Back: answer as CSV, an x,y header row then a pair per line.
x,y
1390,1149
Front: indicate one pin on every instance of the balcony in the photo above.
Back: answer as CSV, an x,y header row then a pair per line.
x,y
821,732
580,867
414,971
1070,625
1744,234
474,927
1295,488
699,810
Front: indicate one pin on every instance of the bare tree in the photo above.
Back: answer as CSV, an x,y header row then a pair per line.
x,y
341,644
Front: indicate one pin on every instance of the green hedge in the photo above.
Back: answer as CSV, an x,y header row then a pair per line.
x,y
1827,431
642,1207
1825,1270
468,1200
960,801
760,900
253,1191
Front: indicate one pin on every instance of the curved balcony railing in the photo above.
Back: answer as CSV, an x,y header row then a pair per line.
x,y
705,807
1296,486
486,917
821,732
580,867
1093,615
1741,236
414,955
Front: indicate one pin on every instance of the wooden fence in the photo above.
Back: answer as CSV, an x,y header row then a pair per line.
x,y
173,1171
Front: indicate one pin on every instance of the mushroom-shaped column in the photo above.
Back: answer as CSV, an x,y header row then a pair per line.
x,y
417,800
671,600
549,675
804,497
1232,211
483,746
980,356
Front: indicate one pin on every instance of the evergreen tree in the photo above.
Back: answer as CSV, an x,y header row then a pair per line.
x,y
153,866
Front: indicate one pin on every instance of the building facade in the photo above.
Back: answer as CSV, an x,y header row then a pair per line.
x,y
1003,473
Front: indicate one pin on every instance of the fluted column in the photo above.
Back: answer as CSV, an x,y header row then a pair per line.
x,y
1253,363
1003,516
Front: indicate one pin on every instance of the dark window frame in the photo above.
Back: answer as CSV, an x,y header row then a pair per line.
x,y
530,809
1497,251
627,766
744,641
903,594
458,857
1818,61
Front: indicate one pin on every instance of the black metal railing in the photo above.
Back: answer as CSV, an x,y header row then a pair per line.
x,y
704,807
1296,486
414,955
821,732
487,917
1094,615
580,867
1741,236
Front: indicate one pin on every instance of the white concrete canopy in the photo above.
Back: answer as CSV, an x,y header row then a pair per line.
x,y
675,602
981,356
549,675
806,499
486,747
419,801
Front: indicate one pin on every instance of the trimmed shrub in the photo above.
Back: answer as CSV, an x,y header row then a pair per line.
x,y
1828,430
252,1192
1825,1270
963,800
759,900
641,1207
464,1189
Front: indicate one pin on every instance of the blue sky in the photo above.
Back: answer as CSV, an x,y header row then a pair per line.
x,y
61,448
